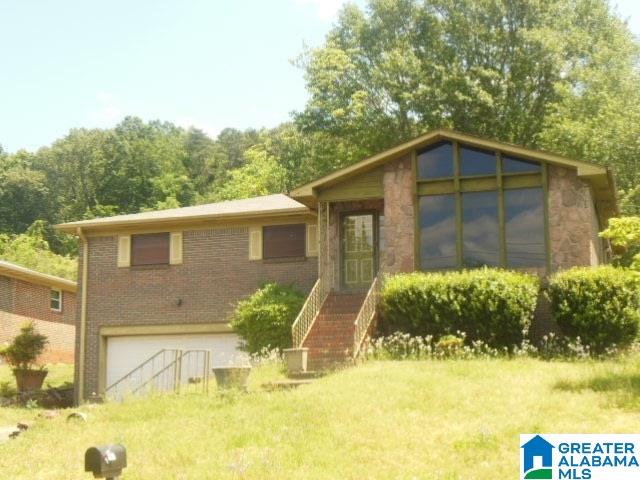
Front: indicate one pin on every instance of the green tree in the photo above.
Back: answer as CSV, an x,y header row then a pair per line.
x,y
261,175
504,70
624,235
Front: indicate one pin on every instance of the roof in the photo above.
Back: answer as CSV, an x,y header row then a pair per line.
x,y
31,276
269,205
600,177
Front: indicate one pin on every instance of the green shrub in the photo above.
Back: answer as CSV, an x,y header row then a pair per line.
x,y
264,320
26,347
601,306
494,306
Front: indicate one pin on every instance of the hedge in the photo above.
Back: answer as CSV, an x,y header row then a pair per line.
x,y
492,305
264,319
599,305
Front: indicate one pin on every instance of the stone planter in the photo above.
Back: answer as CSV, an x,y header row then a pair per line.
x,y
232,377
296,359
29,380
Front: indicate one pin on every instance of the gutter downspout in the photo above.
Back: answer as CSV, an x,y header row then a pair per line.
x,y
83,314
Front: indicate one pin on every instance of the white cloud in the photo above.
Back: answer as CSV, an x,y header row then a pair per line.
x,y
324,9
108,111
209,129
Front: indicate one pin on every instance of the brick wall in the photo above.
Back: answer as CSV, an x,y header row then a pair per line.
x,y
215,274
61,336
34,301
21,302
6,293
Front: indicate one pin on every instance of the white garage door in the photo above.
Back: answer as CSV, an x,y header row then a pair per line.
x,y
126,353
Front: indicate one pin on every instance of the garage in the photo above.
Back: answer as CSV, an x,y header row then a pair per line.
x,y
125,353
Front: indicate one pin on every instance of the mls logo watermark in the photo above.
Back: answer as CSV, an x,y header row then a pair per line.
x,y
579,457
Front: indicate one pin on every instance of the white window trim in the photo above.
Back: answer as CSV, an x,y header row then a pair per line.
x,y
59,309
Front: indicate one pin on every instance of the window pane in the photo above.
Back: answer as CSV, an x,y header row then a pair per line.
x,y
438,231
56,299
150,249
474,161
515,165
436,161
480,229
524,224
284,241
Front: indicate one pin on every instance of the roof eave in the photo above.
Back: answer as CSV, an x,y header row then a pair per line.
x,y
31,276
73,227
584,169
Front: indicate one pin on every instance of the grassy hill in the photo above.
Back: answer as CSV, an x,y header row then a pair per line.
x,y
430,420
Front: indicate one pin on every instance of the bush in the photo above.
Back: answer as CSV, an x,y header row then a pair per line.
x,y
264,320
22,353
600,306
490,305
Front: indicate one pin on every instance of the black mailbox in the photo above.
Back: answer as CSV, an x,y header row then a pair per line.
x,y
105,461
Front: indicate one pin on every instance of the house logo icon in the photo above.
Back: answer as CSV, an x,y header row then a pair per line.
x,y
537,461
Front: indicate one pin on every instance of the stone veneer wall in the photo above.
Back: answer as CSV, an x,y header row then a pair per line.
x,y
573,223
399,186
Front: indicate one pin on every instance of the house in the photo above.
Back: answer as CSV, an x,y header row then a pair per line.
x,y
440,201
537,447
46,300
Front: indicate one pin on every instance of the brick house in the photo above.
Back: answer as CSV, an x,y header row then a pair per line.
x,y
48,301
440,201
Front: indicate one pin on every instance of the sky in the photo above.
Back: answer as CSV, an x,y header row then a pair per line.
x,y
211,64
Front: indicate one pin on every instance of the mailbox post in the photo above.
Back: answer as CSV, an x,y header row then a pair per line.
x,y
105,461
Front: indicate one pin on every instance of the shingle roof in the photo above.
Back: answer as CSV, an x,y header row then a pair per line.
x,y
277,204
12,270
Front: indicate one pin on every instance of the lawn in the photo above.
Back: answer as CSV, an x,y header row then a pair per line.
x,y
429,420
59,374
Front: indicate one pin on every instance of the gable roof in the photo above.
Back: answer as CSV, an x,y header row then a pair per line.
x,y
600,177
265,206
12,270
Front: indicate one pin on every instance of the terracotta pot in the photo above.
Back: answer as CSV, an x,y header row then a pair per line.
x,y
29,380
232,377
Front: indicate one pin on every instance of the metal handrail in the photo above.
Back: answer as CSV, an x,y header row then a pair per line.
x,y
176,363
309,312
365,316
140,367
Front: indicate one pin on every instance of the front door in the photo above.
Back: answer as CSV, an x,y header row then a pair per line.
x,y
358,251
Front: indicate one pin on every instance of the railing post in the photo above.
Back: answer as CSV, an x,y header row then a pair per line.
x,y
177,376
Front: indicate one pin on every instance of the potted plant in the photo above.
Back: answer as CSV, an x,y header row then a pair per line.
x,y
21,355
229,377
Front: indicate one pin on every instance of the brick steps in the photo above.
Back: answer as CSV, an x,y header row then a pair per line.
x,y
331,338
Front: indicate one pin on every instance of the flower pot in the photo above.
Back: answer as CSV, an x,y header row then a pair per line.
x,y
29,380
296,359
232,377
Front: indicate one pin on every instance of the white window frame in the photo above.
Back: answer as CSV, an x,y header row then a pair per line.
x,y
59,299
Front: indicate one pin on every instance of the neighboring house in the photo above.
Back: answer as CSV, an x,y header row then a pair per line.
x,y
48,301
441,201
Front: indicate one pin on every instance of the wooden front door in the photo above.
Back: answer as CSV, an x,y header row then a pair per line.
x,y
359,252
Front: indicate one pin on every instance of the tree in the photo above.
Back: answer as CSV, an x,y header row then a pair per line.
x,y
262,175
23,197
624,235
487,67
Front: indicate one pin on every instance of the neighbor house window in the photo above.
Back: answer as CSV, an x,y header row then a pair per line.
x,y
478,207
150,249
284,241
55,301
